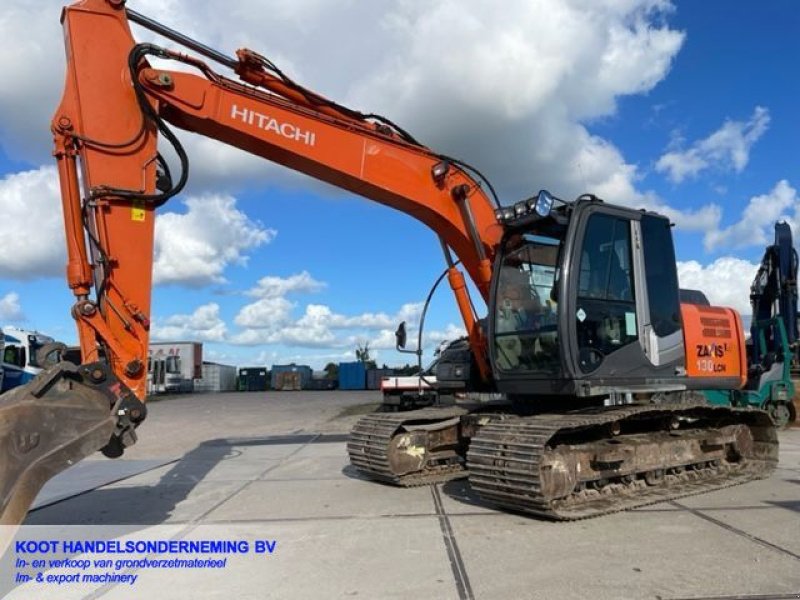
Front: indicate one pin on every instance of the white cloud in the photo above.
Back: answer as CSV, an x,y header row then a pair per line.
x,y
536,72
317,359
194,248
704,218
448,334
307,337
273,287
726,281
268,321
385,338
728,147
10,310
530,96
32,226
204,324
33,32
317,315
515,99
755,227
266,313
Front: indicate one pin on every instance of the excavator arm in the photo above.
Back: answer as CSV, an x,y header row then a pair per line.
x,y
114,108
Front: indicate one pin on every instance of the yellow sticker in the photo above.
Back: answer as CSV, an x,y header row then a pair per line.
x,y
137,211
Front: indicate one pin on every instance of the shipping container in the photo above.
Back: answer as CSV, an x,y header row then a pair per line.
x,y
375,376
173,366
216,378
253,379
290,377
322,383
288,381
352,376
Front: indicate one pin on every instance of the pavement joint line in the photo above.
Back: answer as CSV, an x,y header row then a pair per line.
x,y
293,479
347,518
737,531
194,482
338,518
646,509
193,524
302,439
789,596
247,483
453,553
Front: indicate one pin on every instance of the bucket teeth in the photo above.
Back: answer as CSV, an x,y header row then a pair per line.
x,y
47,426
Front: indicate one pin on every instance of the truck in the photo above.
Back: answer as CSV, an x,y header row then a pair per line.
x,y
172,367
21,356
405,392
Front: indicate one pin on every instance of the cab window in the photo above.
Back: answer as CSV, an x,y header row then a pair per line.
x,y
525,326
661,275
173,364
14,355
606,307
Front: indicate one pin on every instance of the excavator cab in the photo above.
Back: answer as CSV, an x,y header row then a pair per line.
x,y
583,296
586,301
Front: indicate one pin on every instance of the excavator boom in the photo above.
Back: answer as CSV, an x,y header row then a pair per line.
x,y
600,364
114,108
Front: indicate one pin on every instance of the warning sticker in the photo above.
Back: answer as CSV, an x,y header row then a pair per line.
x,y
137,211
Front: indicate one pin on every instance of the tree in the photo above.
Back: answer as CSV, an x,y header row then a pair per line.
x,y
408,369
362,352
331,371
362,355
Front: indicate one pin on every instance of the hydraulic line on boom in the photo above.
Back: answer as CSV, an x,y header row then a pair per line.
x,y
600,363
106,129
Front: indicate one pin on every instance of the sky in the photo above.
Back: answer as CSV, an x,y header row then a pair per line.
x,y
687,108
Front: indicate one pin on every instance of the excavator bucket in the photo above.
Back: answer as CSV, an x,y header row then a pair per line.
x,y
46,426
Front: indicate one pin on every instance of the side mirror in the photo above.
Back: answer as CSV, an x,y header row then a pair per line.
x,y
400,335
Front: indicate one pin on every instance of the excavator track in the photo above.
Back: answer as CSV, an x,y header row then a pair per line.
x,y
408,449
589,463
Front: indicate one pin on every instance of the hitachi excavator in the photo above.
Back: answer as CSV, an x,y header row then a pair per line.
x,y
585,336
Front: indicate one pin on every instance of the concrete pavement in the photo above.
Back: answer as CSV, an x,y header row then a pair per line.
x,y
274,467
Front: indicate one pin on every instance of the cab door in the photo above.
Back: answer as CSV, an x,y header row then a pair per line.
x,y
623,315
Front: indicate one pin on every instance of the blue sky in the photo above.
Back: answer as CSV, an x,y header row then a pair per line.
x,y
689,108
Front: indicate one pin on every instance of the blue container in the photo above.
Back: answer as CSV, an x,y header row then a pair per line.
x,y
352,376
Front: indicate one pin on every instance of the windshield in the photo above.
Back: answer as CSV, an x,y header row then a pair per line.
x,y
526,336
173,364
35,343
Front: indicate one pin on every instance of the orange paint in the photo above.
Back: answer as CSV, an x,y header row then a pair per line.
x,y
100,124
715,345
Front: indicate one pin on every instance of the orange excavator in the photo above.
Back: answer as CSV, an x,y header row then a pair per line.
x,y
597,360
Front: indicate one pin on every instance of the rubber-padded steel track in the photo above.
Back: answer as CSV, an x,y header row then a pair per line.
x,y
505,460
370,439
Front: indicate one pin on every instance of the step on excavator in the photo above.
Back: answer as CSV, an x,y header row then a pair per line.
x,y
600,366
